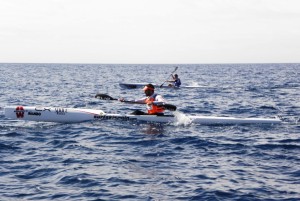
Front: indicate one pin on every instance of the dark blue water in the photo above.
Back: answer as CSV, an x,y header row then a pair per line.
x,y
121,160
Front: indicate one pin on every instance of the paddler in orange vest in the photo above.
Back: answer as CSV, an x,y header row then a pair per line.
x,y
152,100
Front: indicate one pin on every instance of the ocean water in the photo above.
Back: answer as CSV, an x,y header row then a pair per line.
x,y
126,160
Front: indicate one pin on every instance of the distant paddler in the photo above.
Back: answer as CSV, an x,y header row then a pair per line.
x,y
176,82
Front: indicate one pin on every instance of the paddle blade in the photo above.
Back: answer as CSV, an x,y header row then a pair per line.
x,y
175,69
104,97
170,107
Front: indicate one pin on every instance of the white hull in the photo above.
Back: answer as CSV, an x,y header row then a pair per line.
x,y
141,85
72,115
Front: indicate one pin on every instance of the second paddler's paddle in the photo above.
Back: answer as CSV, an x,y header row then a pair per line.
x,y
168,77
107,97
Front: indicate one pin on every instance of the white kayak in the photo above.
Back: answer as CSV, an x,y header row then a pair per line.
x,y
141,85
72,115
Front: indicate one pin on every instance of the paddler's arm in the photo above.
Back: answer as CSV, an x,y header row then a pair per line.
x,y
171,80
142,100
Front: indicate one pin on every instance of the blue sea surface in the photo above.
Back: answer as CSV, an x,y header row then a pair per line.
x,y
128,160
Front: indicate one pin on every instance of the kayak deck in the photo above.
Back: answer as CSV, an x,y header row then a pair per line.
x,y
73,115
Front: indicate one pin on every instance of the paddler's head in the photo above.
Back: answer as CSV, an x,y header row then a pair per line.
x,y
148,89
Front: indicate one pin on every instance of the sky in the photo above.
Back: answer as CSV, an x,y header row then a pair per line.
x,y
150,31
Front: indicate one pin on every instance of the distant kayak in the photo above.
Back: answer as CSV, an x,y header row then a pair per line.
x,y
140,85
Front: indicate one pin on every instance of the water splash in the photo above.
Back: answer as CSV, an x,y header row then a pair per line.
x,y
195,84
181,119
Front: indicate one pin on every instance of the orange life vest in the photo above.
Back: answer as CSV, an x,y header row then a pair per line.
x,y
153,109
